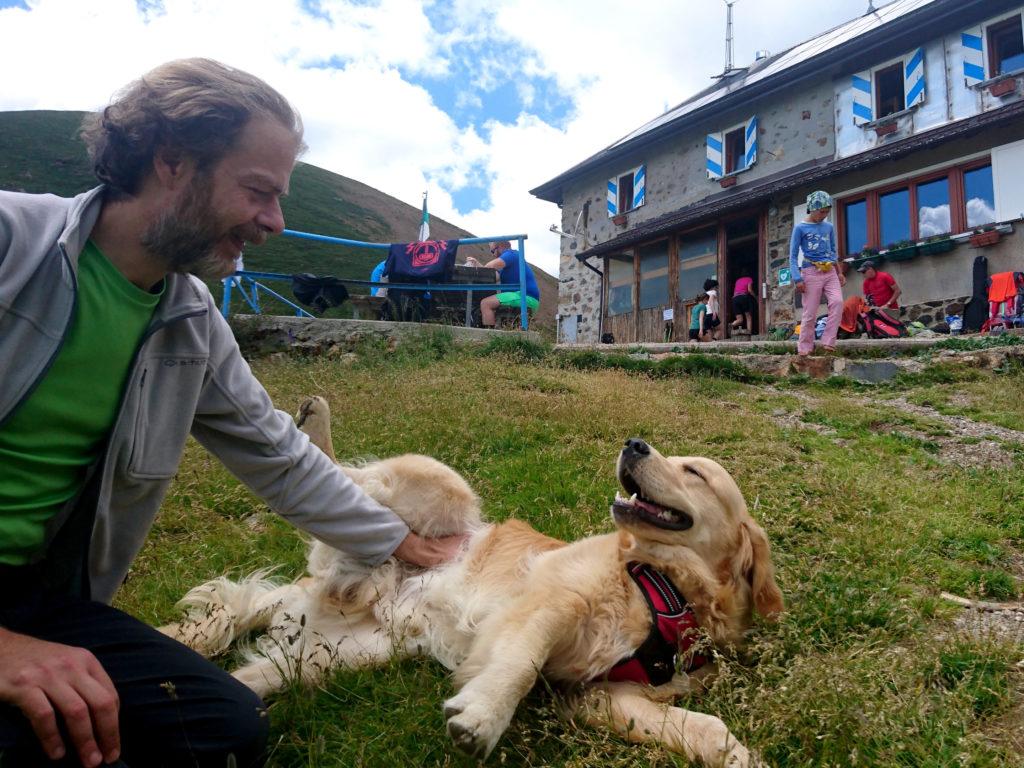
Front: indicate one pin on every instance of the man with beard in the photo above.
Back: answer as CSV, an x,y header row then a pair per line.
x,y
112,352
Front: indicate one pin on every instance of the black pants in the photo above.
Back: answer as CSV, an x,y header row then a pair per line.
x,y
177,708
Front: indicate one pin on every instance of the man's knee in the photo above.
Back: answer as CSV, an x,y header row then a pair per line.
x,y
242,731
247,732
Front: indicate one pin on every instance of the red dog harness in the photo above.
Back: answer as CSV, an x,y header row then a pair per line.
x,y
674,629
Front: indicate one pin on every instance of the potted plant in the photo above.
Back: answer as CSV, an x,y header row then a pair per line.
x,y
901,250
867,254
985,236
936,244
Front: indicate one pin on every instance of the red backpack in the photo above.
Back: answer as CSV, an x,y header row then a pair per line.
x,y
881,325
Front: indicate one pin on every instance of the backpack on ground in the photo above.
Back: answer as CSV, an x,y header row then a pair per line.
x,y
881,325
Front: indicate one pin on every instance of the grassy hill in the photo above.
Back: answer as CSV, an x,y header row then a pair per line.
x,y
40,152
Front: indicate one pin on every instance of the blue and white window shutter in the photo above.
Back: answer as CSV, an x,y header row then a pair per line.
x,y
715,156
863,100
913,78
971,42
639,179
721,161
750,143
639,185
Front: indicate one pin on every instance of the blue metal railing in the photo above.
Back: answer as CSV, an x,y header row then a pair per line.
x,y
244,277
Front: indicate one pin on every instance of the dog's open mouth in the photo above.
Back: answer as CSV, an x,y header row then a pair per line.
x,y
637,507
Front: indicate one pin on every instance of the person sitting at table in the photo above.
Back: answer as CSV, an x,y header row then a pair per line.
x,y
377,276
506,260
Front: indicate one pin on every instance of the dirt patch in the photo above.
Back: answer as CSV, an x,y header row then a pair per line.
x,y
1006,625
968,443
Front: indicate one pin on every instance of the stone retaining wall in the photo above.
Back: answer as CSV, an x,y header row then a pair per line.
x,y
263,334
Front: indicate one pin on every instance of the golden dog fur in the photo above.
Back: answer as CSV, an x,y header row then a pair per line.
x,y
516,602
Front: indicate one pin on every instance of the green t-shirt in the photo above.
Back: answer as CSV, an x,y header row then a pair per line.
x,y
695,315
49,442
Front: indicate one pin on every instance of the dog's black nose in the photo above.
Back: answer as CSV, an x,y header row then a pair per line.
x,y
636,446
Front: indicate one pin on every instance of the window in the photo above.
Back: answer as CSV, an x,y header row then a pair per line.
x,y
628,191
888,89
625,193
734,151
856,231
954,200
654,275
889,96
894,215
698,260
620,284
1005,47
933,214
979,196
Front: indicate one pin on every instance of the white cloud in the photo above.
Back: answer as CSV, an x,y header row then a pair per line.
x,y
343,65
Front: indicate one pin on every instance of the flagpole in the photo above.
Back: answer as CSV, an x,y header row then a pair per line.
x,y
424,221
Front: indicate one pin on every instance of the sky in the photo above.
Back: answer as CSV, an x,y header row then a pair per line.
x,y
473,101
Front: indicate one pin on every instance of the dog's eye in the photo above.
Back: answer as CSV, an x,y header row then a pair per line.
x,y
693,471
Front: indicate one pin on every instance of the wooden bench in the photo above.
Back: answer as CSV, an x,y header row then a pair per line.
x,y
367,307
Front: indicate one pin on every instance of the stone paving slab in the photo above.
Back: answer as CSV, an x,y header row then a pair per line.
x,y
780,358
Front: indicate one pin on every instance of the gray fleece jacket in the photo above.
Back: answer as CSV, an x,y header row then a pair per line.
x,y
187,375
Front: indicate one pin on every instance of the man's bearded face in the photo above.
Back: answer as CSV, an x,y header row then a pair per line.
x,y
191,238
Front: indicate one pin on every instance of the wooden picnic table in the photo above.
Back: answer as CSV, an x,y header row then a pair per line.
x,y
452,304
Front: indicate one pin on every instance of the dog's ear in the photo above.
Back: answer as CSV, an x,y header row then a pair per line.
x,y
760,572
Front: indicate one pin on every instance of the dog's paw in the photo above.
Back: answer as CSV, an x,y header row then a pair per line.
x,y
474,726
735,755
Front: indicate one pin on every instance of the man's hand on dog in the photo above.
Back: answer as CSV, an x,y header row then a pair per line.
x,y
427,553
43,678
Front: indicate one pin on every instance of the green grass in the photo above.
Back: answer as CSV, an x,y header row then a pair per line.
x,y
867,527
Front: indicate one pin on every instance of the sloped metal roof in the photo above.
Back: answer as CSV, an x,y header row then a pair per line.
x,y
795,55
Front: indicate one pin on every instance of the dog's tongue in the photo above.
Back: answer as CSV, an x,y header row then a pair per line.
x,y
654,509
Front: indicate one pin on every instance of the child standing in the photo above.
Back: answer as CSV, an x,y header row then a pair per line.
x,y
820,274
698,317
711,319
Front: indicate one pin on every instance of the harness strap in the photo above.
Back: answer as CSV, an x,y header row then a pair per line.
x,y
674,629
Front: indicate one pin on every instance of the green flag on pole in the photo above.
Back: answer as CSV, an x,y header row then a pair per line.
x,y
425,221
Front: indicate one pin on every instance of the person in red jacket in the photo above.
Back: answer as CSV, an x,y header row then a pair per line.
x,y
880,289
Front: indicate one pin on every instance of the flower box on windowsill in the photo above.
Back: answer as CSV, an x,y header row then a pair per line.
x,y
985,239
619,220
886,128
1003,87
931,248
858,261
727,181
905,253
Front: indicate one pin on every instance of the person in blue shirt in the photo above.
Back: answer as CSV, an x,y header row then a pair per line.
x,y
820,274
375,276
506,260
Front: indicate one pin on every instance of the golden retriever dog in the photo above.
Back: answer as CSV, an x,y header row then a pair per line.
x,y
621,621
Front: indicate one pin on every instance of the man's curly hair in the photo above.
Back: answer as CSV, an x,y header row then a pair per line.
x,y
195,107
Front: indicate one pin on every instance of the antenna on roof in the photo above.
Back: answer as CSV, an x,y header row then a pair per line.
x,y
871,7
728,35
730,69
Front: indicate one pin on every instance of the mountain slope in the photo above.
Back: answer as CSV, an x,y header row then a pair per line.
x,y
40,152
